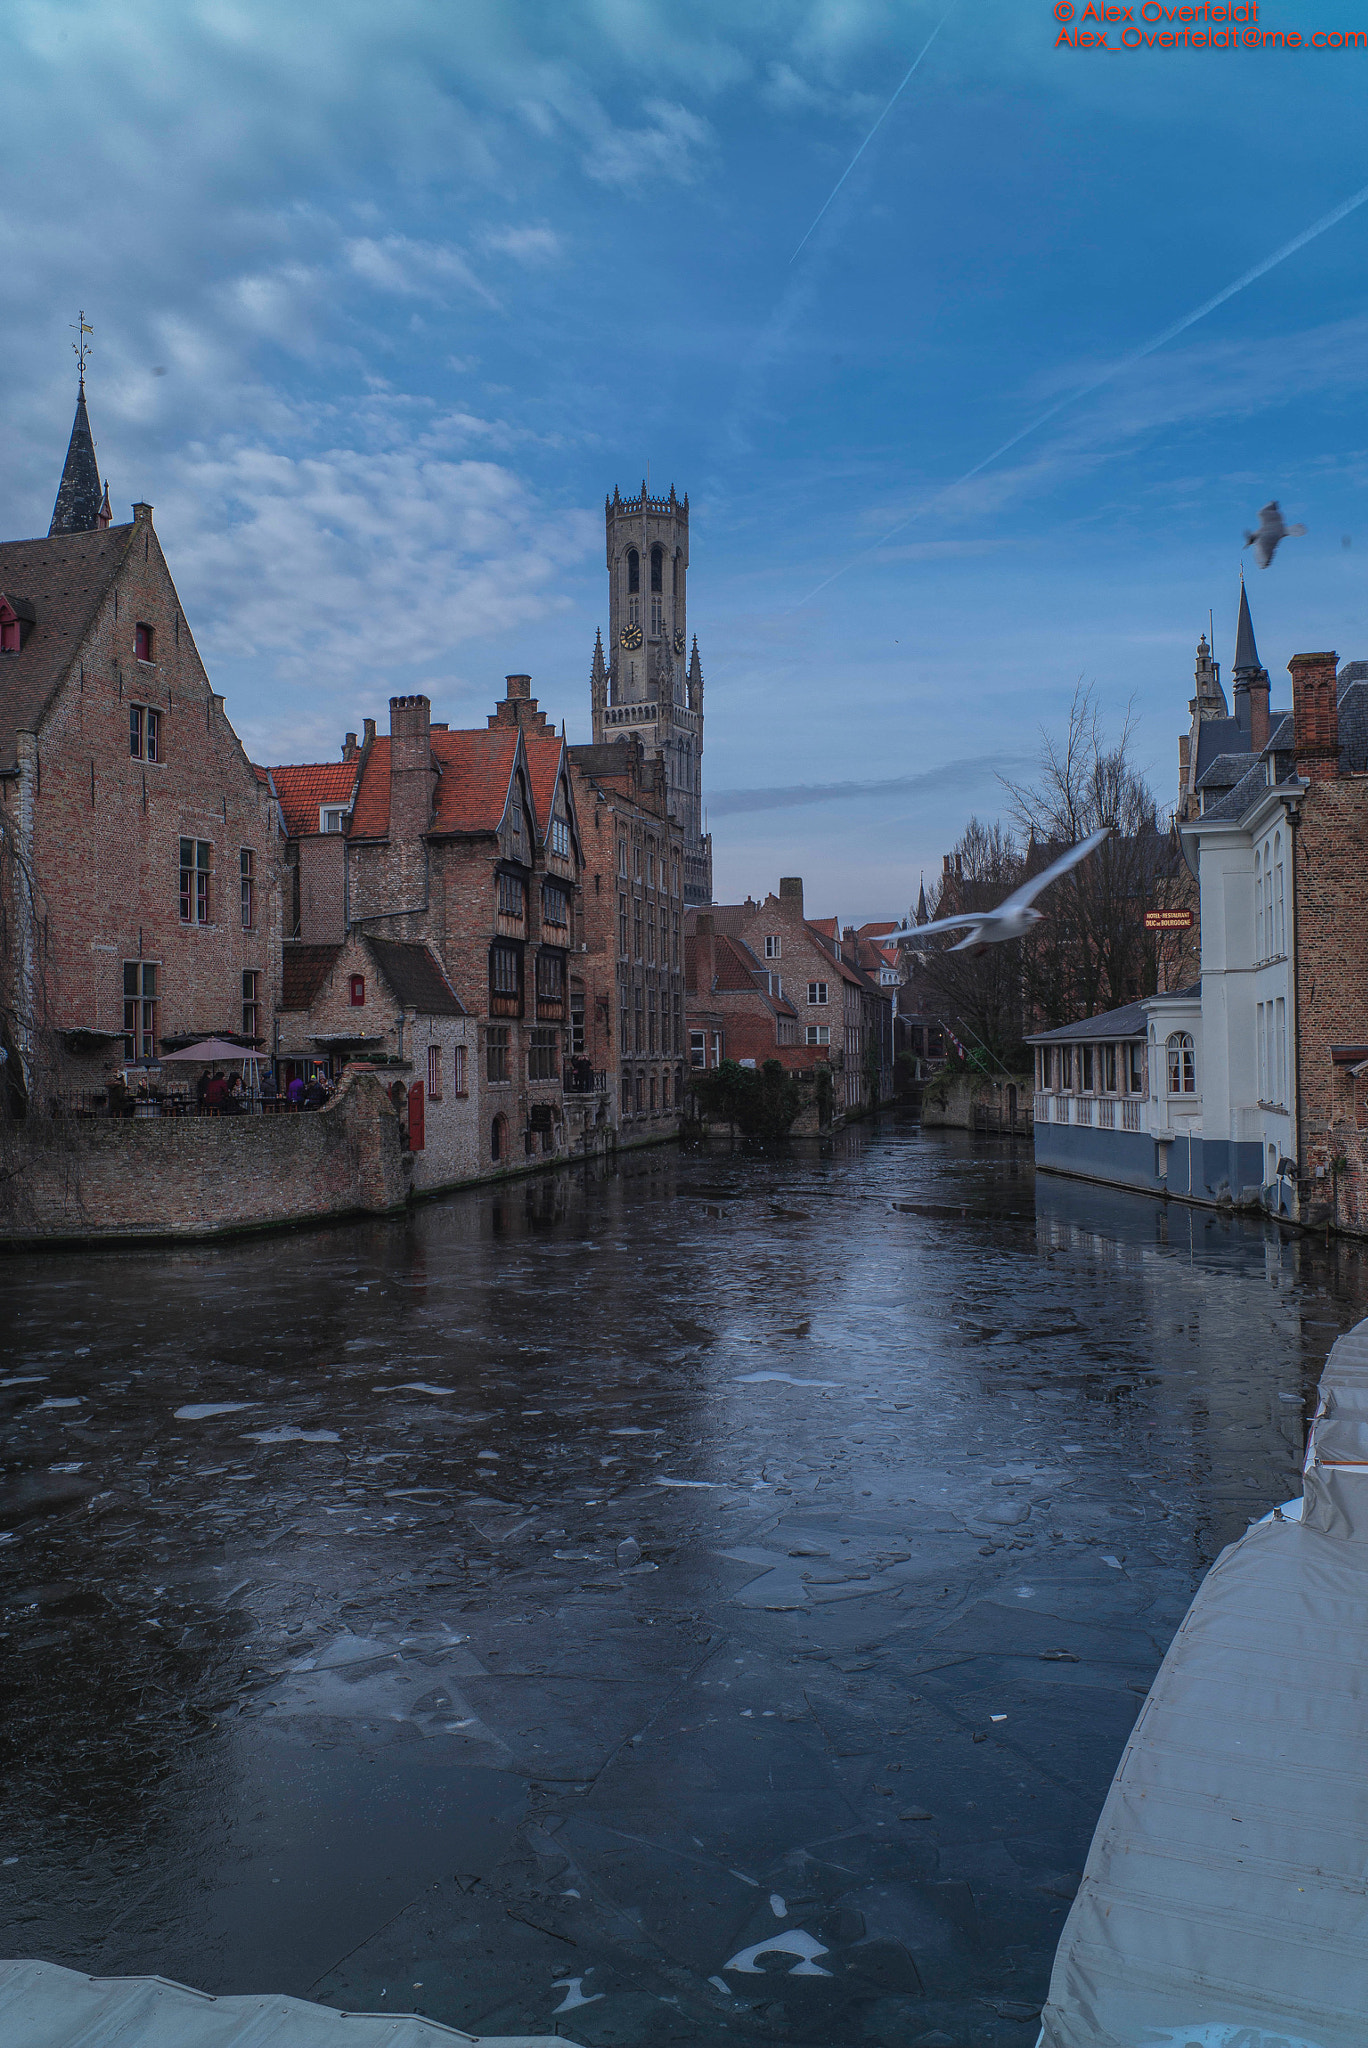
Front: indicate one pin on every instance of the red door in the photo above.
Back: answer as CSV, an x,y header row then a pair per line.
x,y
415,1117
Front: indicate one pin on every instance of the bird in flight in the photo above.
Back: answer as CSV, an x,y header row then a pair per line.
x,y
1271,531
1011,920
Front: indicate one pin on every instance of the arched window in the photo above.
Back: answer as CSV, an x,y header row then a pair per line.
x,y
1259,953
658,568
633,571
498,1139
1182,1064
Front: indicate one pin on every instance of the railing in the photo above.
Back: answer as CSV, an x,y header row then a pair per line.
x,y
1106,1114
1040,1108
1083,1109
1130,1115
581,1079
630,714
95,1102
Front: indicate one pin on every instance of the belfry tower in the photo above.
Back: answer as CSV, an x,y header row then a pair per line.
x,y
641,686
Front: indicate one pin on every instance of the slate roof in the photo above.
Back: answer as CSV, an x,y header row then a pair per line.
x,y
1225,771
304,971
475,769
78,494
1217,736
1127,1022
64,577
415,974
1252,784
303,786
1246,653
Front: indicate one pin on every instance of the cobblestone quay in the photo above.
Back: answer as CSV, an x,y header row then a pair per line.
x,y
699,1602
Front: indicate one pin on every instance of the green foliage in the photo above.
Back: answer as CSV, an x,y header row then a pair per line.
x,y
761,1102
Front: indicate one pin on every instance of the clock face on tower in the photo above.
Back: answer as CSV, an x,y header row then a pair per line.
x,y
678,641
631,637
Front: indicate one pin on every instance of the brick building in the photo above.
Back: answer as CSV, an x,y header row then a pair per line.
x,y
138,871
735,1010
844,1019
633,910
466,842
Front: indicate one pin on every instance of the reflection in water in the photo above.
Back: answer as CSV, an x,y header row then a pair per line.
x,y
605,1574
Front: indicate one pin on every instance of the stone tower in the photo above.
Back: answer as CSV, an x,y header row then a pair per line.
x,y
648,683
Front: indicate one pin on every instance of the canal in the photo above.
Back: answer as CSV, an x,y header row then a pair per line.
x,y
702,1601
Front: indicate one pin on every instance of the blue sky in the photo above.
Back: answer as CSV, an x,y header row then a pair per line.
x,y
386,297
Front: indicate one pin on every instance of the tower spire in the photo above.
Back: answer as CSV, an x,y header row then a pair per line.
x,y
77,509
1246,653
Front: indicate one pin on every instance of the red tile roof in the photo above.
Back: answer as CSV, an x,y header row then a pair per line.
x,y
307,785
471,789
877,929
306,968
825,925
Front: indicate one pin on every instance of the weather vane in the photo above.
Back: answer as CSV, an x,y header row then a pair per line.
x,y
80,348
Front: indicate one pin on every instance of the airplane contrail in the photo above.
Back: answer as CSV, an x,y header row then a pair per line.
x,y
1170,333
877,125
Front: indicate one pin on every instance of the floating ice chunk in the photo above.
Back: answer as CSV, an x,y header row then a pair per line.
x,y
345,1650
791,1942
72,1401
288,1434
413,1387
574,1995
756,1379
712,1483
630,1430
778,1907
492,1456
77,1467
24,1379
997,1717
1114,1562
628,1552
721,1985
196,1411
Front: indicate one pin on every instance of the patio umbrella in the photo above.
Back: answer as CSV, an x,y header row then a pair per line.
x,y
210,1049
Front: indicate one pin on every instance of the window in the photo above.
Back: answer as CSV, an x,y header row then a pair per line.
x,y
551,985
774,947
434,1073
817,992
625,1092
1066,1066
1182,1064
698,1053
496,1055
542,1054
356,989
143,642
512,896
498,1139
196,866
247,877
560,838
1280,1040
717,1048
636,860
251,1003
458,1071
653,1094
1259,953
622,927
674,877
657,616
144,732
515,828
140,1010
650,939
665,1088
657,568
577,1019
11,632
331,816
622,858
774,984
640,1091
555,904
636,930
633,570
1085,1079
819,1034
674,949
1109,1069
1135,1069
639,1035
1279,907
505,980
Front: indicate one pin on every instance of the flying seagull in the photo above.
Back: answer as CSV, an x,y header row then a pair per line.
x,y
1012,919
1271,531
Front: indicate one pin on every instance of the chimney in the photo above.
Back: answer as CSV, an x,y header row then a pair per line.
x,y
519,686
367,731
141,511
1259,724
349,747
791,892
519,707
1315,715
705,953
411,771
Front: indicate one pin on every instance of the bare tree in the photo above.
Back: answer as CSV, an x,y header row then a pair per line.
x,y
980,996
1091,951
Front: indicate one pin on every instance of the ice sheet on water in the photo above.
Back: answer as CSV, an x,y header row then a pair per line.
x,y
199,1411
288,1434
711,1483
24,1379
343,1650
413,1387
72,1402
756,1379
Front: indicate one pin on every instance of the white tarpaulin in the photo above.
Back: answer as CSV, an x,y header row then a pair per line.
x,y
45,2006
1224,1903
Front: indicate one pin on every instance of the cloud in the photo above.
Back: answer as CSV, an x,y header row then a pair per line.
x,y
414,269
965,775
669,147
524,245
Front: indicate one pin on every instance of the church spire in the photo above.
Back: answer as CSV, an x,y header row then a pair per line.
x,y
923,914
695,679
1246,653
77,509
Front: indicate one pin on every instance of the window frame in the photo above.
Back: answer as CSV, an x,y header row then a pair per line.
x,y
819,994
1181,1059
498,1055
434,1073
141,1002
817,1034
196,883
247,886
458,1071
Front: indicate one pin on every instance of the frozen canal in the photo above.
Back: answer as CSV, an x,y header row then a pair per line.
x,y
535,1610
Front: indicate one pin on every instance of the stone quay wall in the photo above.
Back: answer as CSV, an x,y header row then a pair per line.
x,y
202,1176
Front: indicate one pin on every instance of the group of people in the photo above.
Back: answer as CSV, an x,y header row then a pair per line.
x,y
220,1094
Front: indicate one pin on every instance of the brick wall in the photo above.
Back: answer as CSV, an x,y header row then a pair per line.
x,y
201,1176
1330,861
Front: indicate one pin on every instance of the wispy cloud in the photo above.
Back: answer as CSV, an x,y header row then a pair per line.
x,y
963,776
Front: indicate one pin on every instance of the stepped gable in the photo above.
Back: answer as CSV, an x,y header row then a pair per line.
x,y
59,583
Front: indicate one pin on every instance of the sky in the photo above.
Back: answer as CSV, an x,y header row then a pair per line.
x,y
387,297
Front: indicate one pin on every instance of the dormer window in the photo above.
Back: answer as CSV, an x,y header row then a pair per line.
x,y
144,641
331,816
14,618
560,837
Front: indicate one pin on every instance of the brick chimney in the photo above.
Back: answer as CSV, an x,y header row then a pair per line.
x,y
367,731
519,707
1259,726
349,748
411,770
791,892
1315,715
705,953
